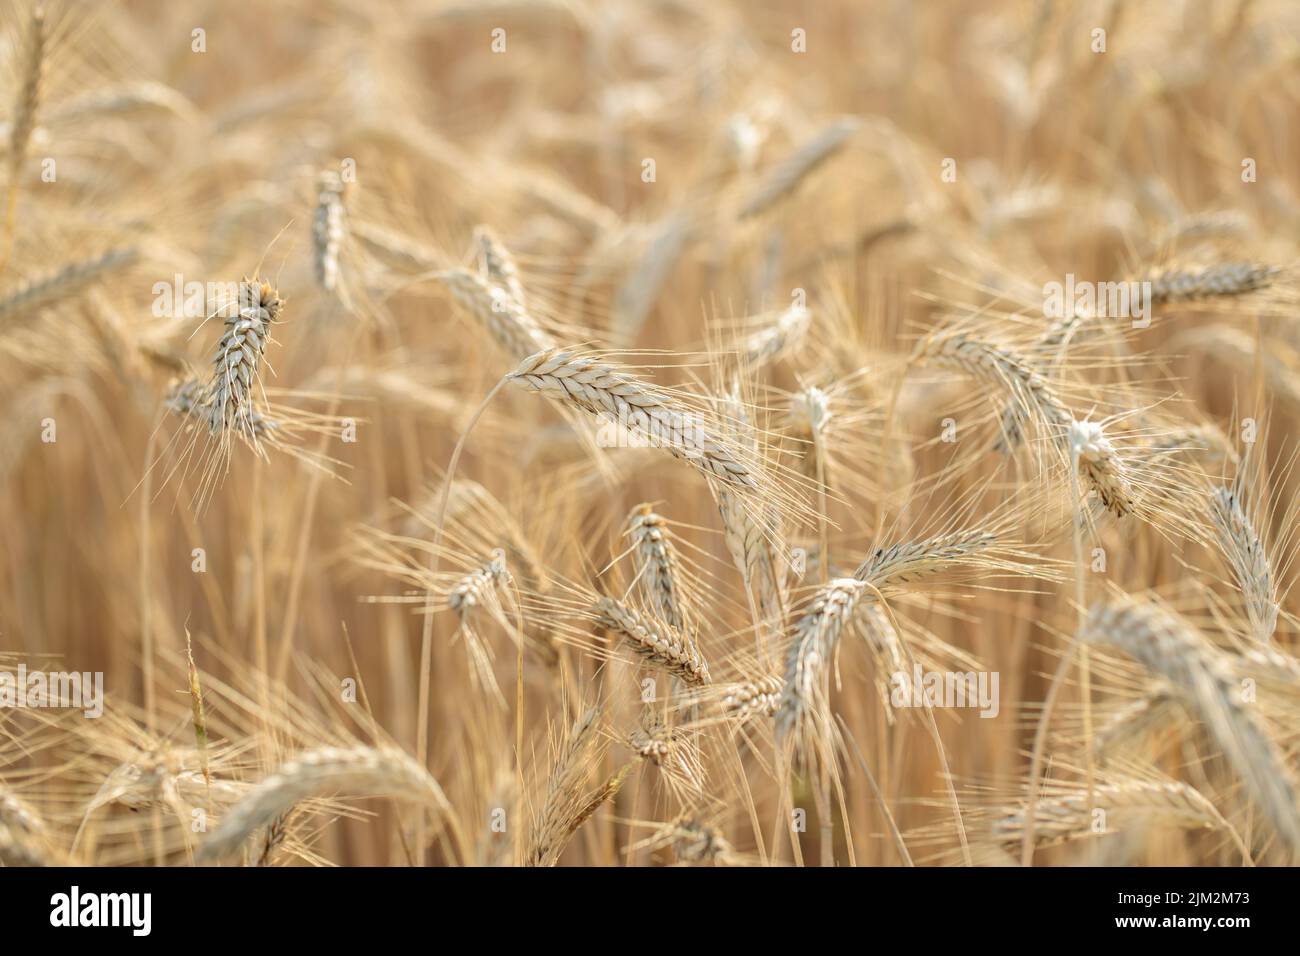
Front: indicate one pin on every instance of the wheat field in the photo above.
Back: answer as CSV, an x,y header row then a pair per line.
x,y
559,432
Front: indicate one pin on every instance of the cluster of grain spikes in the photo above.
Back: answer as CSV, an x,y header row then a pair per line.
x,y
784,550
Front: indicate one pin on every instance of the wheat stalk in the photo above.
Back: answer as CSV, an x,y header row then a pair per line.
x,y
568,804
657,643
655,560
1248,559
69,280
497,265
230,399
786,176
808,660
358,771
492,307
1203,677
328,228
1070,816
597,388
1180,284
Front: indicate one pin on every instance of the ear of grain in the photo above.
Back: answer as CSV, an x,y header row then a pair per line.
x,y
784,335
1248,558
753,698
804,705
199,721
1028,392
70,280
1203,677
910,561
236,364
1032,398
1221,279
655,559
752,545
568,803
1102,467
475,589
657,643
328,228
497,266
29,92
786,176
494,309
648,275
697,842
597,388
355,771
1065,817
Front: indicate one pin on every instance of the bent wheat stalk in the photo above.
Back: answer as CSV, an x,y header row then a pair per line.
x,y
1069,816
71,279
659,644
1203,677
357,771
496,310
598,388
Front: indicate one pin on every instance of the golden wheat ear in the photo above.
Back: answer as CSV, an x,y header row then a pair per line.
x,y
1203,677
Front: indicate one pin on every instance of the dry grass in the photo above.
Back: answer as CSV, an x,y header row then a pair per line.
x,y
835,541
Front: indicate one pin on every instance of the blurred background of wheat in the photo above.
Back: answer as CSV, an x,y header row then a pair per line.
x,y
677,179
